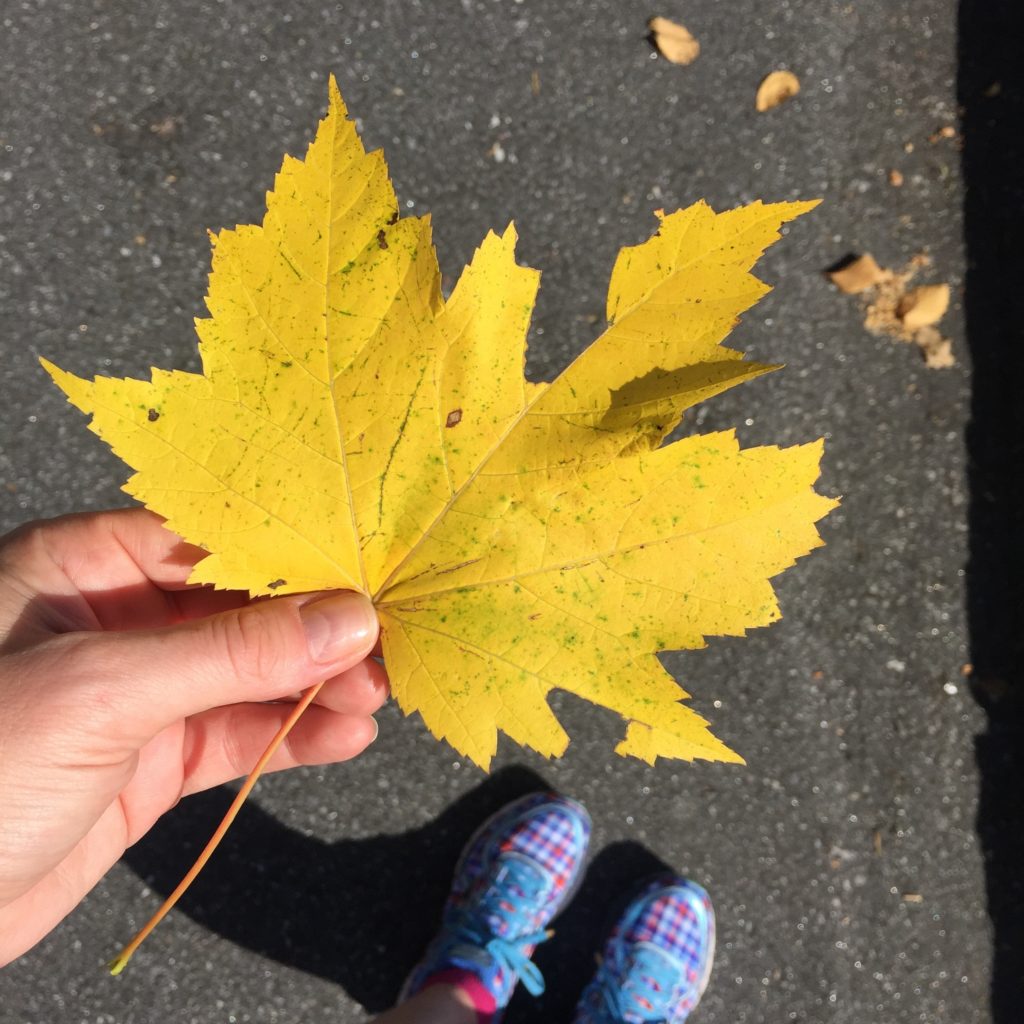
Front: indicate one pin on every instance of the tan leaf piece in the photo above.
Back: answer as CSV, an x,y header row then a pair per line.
x,y
778,87
894,309
937,350
924,306
858,275
673,41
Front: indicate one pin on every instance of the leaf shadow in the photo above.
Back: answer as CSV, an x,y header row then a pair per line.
x,y
360,912
648,397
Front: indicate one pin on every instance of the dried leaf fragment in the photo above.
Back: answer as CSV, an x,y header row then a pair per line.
x,y
778,87
673,41
924,306
937,350
893,309
857,275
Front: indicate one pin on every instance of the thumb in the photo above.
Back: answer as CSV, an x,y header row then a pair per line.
x,y
137,683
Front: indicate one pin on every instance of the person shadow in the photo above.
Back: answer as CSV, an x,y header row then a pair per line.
x,y
359,912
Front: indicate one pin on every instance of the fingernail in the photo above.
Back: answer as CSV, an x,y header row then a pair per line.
x,y
338,625
376,730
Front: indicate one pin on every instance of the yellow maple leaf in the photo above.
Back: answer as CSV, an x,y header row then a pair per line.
x,y
353,429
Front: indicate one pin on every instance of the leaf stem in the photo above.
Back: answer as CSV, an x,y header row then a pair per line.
x,y
120,962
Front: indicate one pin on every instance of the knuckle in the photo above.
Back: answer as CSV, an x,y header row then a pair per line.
x,y
255,645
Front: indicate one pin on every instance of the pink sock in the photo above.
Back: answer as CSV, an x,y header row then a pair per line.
x,y
469,984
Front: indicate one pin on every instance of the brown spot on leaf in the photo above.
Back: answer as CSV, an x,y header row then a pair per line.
x,y
152,415
393,219
454,418
274,584
382,239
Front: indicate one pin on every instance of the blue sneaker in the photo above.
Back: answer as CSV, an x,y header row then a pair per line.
x,y
657,962
516,873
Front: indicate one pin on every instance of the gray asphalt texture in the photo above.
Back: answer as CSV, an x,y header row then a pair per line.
x,y
843,861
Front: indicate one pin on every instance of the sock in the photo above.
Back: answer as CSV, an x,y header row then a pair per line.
x,y
469,984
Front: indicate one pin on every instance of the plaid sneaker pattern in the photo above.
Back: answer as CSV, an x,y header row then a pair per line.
x,y
549,830
515,874
657,960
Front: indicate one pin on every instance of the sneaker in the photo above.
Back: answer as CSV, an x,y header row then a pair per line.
x,y
516,873
657,962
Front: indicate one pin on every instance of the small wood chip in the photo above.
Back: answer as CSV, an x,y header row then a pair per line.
x,y
673,41
858,275
923,306
947,131
913,897
535,83
778,87
896,178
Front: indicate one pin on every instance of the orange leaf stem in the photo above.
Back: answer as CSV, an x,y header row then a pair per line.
x,y
120,962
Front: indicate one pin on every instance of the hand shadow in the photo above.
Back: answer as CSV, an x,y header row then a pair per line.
x,y
360,912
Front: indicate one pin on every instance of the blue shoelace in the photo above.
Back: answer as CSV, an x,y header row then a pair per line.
x,y
504,910
642,991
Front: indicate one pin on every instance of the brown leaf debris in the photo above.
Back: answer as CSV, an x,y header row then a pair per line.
x,y
894,309
923,306
857,275
778,87
673,41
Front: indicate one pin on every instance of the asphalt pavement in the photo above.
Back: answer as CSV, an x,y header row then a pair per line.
x,y
844,860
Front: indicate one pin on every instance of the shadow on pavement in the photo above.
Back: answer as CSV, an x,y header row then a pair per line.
x,y
360,912
991,97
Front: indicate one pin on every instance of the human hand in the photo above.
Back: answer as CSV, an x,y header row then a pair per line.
x,y
122,689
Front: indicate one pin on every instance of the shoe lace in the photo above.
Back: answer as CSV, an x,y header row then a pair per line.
x,y
639,990
491,924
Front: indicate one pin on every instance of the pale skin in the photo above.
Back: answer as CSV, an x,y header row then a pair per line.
x,y
124,688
